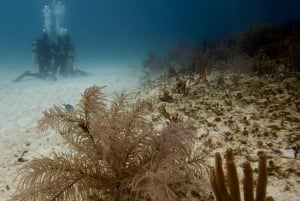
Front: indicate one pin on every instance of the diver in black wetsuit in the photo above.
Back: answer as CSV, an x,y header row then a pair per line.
x,y
60,53
42,53
64,53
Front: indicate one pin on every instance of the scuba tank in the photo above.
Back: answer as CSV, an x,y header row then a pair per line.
x,y
69,63
34,51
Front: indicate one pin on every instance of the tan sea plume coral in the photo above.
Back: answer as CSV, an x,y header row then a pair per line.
x,y
113,154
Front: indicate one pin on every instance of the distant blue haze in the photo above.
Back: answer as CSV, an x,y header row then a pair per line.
x,y
122,31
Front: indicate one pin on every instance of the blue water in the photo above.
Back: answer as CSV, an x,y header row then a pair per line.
x,y
122,31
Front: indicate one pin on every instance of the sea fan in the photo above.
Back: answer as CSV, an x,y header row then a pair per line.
x,y
114,154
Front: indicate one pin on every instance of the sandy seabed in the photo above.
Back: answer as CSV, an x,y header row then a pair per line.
x,y
22,104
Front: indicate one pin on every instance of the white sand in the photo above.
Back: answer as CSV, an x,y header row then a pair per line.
x,y
21,107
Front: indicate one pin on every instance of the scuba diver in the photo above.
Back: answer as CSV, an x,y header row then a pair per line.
x,y
60,54
42,54
64,53
53,56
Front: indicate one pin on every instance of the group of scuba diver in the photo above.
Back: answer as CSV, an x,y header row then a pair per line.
x,y
53,58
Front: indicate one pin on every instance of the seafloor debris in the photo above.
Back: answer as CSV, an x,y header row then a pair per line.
x,y
246,113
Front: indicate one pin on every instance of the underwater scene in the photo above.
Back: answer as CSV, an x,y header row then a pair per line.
x,y
160,100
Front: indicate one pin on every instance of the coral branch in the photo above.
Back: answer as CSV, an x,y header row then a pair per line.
x,y
262,178
248,182
220,178
217,179
233,181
